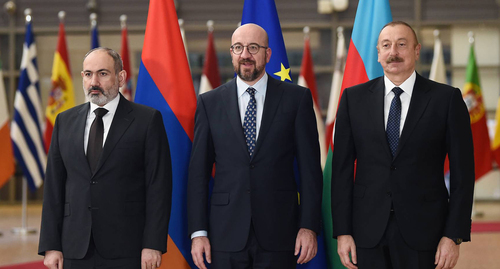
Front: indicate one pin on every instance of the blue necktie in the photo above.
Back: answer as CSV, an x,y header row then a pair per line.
x,y
394,121
250,122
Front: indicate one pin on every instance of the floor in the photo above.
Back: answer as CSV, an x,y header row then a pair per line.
x,y
483,252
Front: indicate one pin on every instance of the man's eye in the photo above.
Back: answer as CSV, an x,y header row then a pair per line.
x,y
238,47
253,47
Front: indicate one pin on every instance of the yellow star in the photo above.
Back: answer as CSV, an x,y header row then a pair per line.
x,y
284,73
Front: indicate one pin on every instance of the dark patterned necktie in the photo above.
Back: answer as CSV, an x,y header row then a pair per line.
x,y
250,122
96,134
394,121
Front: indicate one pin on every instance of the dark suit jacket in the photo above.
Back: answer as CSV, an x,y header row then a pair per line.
x,y
125,204
437,124
261,190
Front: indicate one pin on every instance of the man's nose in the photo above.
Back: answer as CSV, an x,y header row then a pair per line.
x,y
245,53
94,80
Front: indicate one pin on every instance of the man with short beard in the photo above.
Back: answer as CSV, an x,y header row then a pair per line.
x,y
253,128
394,210
108,185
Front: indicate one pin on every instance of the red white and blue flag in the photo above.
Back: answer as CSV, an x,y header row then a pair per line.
x,y
165,83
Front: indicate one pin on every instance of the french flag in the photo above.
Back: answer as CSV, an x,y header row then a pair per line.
x,y
165,83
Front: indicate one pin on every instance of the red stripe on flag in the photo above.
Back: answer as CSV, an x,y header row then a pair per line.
x,y
168,68
355,72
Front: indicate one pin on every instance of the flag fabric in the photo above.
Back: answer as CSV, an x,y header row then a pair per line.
x,y
94,34
330,242
126,90
361,65
62,94
26,128
210,78
338,73
438,69
183,34
165,83
474,100
265,14
6,154
307,79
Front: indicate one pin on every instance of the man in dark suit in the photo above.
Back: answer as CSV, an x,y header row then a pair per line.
x,y
396,212
253,128
107,192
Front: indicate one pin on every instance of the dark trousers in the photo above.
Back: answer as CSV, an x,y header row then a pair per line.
x,y
253,257
93,260
393,253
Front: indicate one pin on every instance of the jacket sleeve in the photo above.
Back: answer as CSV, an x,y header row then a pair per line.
x,y
460,149
158,176
200,169
53,201
308,159
344,156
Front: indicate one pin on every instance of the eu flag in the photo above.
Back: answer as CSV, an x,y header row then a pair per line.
x,y
264,14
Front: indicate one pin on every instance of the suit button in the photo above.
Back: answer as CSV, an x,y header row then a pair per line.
x,y
248,191
90,208
93,182
393,167
252,166
389,194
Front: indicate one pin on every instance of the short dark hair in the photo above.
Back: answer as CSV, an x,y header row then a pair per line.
x,y
117,59
394,23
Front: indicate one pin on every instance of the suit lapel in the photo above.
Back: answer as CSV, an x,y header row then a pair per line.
x,y
229,96
418,104
273,97
79,131
375,106
121,121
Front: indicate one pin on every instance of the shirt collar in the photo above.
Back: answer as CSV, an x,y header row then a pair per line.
x,y
406,86
260,87
110,106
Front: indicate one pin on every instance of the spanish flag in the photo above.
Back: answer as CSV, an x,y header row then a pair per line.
x,y
62,95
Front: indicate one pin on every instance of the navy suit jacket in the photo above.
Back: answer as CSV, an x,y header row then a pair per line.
x,y
437,124
261,190
125,204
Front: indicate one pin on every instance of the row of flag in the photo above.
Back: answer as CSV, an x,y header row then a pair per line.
x,y
165,83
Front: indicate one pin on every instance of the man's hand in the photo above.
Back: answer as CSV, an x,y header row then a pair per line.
x,y
305,244
447,254
200,245
150,258
346,245
53,259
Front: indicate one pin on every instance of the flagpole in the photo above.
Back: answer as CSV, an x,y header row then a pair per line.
x,y
24,229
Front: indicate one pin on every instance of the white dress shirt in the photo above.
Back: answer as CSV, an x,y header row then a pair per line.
x,y
243,99
407,87
106,119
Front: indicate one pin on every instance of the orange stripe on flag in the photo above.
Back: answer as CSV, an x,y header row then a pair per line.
x,y
173,258
6,155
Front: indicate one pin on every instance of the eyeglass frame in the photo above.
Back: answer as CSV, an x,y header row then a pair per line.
x,y
238,43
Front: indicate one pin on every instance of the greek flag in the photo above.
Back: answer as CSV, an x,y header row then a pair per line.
x,y
26,128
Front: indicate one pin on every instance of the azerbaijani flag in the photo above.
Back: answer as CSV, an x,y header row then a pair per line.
x,y
474,100
361,65
62,94
165,83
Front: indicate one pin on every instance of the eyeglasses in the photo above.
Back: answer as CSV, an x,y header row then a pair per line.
x,y
252,48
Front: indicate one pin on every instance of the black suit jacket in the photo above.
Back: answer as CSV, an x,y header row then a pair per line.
x,y
261,190
437,124
125,204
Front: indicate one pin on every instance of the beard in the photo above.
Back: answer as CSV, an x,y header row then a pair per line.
x,y
249,75
101,98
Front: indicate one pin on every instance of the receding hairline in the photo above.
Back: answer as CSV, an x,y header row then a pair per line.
x,y
246,25
117,59
402,23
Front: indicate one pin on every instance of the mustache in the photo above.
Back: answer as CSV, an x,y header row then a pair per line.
x,y
394,59
243,61
95,88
